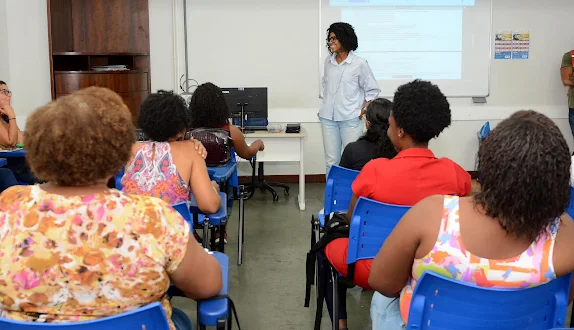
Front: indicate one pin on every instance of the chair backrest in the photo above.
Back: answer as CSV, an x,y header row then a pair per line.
x,y
119,177
371,224
570,209
484,130
183,209
338,190
443,303
150,317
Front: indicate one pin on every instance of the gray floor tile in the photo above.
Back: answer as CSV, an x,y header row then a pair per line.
x,y
268,289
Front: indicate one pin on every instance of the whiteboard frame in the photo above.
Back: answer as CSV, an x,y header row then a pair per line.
x,y
490,55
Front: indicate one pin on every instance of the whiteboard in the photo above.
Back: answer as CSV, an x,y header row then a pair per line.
x,y
257,43
445,41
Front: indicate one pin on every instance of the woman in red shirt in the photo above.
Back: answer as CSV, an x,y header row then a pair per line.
x,y
420,113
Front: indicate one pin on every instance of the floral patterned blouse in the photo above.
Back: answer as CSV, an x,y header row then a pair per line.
x,y
81,258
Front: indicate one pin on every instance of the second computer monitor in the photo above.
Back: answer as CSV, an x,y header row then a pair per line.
x,y
254,103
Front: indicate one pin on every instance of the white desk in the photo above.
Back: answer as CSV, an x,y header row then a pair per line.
x,y
283,147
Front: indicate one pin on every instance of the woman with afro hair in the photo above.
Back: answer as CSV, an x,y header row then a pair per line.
x,y
513,234
419,114
168,166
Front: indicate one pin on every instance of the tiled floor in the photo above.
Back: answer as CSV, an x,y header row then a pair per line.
x,y
269,288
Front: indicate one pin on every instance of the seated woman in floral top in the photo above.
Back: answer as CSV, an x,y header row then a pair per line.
x,y
168,166
73,249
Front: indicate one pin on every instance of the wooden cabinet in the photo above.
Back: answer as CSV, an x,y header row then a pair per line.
x,y
85,34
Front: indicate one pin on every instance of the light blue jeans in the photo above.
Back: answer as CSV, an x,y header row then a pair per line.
x,y
336,136
386,313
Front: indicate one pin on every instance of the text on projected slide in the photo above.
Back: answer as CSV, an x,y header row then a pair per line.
x,y
407,39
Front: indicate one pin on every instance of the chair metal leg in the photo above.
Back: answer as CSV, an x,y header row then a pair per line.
x,y
222,238
334,278
205,229
199,326
240,231
572,317
221,324
315,232
243,221
212,245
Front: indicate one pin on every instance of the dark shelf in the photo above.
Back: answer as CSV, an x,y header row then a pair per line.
x,y
100,54
104,72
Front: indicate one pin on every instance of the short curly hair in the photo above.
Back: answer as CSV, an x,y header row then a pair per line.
x,y
163,115
421,110
208,107
80,139
525,174
345,33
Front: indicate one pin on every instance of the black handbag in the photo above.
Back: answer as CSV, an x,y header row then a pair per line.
x,y
217,142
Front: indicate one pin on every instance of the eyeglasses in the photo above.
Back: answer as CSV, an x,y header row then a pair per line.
x,y
332,39
6,92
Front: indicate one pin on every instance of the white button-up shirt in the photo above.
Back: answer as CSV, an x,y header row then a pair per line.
x,y
346,87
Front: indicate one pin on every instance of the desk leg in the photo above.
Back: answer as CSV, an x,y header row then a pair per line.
x,y
301,176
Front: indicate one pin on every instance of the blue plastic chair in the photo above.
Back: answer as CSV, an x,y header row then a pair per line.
x,y
193,215
484,131
570,209
227,178
118,178
338,194
371,223
150,317
482,134
215,312
444,303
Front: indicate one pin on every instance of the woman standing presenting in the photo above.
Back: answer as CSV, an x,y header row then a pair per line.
x,y
348,87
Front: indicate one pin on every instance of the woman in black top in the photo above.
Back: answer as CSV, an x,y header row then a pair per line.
x,y
375,143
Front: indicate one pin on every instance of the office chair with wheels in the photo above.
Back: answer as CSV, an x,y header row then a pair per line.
x,y
258,181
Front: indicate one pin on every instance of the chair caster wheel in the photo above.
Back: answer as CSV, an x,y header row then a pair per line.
x,y
275,198
286,192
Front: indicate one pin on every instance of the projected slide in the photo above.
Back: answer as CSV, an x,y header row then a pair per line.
x,y
409,43
445,41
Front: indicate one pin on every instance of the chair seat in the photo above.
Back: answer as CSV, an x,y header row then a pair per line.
x,y
210,311
221,174
216,219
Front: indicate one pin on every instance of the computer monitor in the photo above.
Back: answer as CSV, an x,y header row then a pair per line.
x,y
253,102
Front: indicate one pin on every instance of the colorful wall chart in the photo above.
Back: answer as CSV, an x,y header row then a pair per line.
x,y
520,45
511,45
503,46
